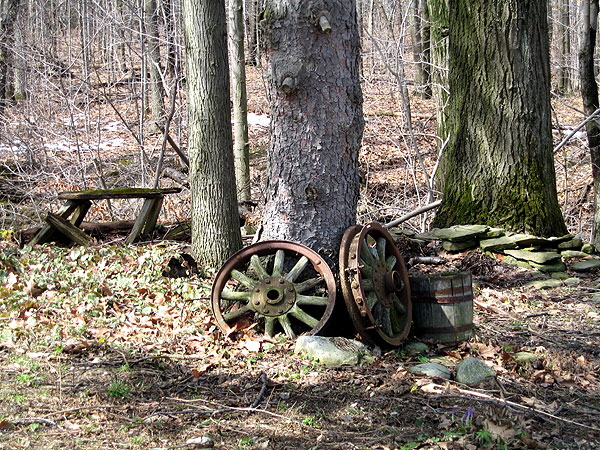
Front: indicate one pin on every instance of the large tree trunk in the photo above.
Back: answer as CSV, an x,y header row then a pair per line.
x,y
241,146
8,14
215,222
157,92
438,15
498,166
589,95
316,111
564,47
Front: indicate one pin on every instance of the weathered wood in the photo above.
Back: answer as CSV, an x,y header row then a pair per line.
x,y
146,219
68,229
105,194
47,231
118,226
443,306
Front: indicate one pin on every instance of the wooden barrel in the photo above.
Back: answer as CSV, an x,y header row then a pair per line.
x,y
442,306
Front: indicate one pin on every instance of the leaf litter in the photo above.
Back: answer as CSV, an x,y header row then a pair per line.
x,y
115,347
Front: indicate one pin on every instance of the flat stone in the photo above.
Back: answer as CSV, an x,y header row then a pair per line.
x,y
536,257
572,281
459,233
497,244
528,240
525,357
559,275
432,370
588,248
493,233
333,351
472,371
515,262
452,246
589,265
572,244
557,266
415,348
544,284
572,254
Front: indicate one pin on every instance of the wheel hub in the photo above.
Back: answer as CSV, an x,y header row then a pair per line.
x,y
273,296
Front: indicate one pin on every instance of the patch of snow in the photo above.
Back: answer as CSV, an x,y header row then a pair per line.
x,y
259,120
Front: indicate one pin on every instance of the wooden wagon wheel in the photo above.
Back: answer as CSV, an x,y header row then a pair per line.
x,y
275,286
375,285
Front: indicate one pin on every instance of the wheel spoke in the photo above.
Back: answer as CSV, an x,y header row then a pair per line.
x,y
366,272
365,253
228,294
308,284
390,262
287,326
398,305
270,326
297,269
312,300
381,243
278,263
372,300
368,285
256,264
304,317
232,315
386,322
243,278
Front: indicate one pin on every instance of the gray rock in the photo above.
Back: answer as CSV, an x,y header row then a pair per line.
x,y
492,233
572,281
525,357
588,248
459,233
589,265
536,257
333,351
516,262
497,244
572,254
453,246
472,372
432,370
544,284
559,275
527,240
415,348
557,266
572,244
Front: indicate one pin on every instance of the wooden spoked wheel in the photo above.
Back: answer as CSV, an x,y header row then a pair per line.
x,y
375,285
274,287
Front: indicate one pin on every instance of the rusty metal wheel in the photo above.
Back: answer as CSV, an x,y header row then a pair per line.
x,y
275,286
375,285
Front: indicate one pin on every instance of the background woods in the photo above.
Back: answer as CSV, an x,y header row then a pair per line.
x,y
94,96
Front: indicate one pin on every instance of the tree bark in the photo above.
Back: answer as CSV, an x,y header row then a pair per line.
x,y
564,47
241,146
589,95
498,165
157,92
438,15
313,52
215,224
8,14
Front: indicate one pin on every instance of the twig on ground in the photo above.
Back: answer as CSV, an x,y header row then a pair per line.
x,y
480,396
263,390
412,214
36,420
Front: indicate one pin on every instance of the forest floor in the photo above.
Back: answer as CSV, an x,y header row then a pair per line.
x,y
100,350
